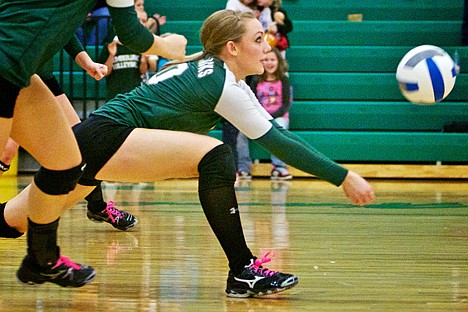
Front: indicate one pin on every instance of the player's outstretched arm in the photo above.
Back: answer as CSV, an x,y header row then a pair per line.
x,y
296,152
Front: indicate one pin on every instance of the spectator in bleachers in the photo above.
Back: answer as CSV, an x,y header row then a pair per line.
x,y
242,5
273,91
153,22
275,21
126,69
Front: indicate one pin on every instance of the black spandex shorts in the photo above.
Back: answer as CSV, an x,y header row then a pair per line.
x,y
53,85
99,139
8,95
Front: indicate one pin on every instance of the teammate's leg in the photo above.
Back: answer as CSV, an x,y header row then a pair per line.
x,y
97,209
41,128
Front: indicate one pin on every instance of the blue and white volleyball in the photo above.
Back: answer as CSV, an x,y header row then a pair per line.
x,y
426,75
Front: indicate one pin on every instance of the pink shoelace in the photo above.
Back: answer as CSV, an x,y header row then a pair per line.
x,y
66,261
112,211
257,266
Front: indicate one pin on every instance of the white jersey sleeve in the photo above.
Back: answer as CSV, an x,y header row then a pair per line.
x,y
120,3
239,105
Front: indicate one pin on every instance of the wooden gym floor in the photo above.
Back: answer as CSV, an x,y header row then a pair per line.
x,y
406,252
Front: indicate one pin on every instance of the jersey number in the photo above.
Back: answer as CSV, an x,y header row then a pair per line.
x,y
168,73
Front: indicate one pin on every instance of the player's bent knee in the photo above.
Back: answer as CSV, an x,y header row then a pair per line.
x,y
217,168
58,182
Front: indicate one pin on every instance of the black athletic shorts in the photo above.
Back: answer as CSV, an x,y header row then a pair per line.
x,y
99,139
8,95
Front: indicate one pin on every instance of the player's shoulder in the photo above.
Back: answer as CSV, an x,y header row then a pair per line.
x,y
211,77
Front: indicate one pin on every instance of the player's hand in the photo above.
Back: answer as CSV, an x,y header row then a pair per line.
x,y
358,190
174,47
97,71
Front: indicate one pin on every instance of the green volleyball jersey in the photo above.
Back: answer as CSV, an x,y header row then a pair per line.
x,y
46,26
190,97
32,31
73,48
194,96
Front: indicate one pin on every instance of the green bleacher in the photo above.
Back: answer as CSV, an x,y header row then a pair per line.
x,y
335,10
346,98
366,33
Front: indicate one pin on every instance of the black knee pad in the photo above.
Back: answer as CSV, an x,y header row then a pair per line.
x,y
58,182
8,95
217,168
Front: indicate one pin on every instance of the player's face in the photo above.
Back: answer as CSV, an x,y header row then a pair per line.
x,y
252,49
270,63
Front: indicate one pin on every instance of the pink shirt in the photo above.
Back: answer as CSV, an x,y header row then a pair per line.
x,y
270,95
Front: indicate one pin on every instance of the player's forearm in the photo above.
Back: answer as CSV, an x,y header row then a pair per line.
x,y
297,153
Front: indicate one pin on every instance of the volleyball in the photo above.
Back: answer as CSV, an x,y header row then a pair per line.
x,y
426,75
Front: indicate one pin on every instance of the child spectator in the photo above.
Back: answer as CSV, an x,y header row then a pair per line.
x,y
273,91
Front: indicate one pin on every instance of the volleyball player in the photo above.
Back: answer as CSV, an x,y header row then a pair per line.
x,y
158,131
97,209
31,33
